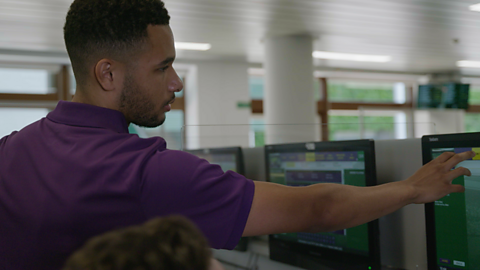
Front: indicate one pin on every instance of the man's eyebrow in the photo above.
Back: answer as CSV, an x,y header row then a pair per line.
x,y
166,61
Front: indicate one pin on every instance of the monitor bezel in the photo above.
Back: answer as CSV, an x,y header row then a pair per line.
x,y
335,259
240,166
429,142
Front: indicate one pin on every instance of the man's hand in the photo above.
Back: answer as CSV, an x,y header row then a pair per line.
x,y
434,180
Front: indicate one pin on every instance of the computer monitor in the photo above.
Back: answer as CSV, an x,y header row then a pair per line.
x,y
448,95
453,222
340,162
229,159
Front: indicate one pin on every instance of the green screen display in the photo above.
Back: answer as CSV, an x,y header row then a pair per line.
x,y
457,219
449,95
302,169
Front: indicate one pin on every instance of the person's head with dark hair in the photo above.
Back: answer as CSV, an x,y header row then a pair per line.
x,y
171,243
122,53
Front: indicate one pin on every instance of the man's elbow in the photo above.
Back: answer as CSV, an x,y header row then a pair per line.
x,y
324,220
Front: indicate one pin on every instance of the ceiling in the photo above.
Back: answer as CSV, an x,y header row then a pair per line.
x,y
422,36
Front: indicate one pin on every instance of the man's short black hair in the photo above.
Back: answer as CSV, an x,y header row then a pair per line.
x,y
96,29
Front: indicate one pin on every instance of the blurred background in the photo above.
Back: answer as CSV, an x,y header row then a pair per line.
x,y
262,71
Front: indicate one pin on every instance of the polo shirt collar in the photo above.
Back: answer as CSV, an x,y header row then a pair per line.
x,y
86,115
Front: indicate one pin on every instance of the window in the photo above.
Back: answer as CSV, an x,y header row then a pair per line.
x,y
378,125
387,100
257,131
256,85
472,122
14,119
365,91
27,81
474,95
27,94
347,121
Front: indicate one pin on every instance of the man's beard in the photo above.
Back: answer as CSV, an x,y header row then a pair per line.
x,y
136,107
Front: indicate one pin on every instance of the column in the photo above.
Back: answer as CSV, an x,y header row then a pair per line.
x,y
289,104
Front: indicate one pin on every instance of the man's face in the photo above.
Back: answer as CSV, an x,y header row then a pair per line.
x,y
150,82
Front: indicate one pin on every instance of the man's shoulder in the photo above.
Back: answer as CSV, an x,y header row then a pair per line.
x,y
172,158
178,164
3,140
23,132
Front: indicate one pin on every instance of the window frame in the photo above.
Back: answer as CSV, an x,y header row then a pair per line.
x,y
62,90
324,105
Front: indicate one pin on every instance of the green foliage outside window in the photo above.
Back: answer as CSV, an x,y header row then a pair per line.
x,y
258,127
377,125
360,92
259,138
472,122
474,95
351,124
342,91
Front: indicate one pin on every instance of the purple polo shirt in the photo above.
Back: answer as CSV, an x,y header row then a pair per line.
x,y
78,173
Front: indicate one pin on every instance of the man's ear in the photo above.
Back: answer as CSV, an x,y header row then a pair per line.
x,y
104,73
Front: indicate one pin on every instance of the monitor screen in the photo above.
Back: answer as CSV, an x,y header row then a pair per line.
x,y
345,163
453,222
448,95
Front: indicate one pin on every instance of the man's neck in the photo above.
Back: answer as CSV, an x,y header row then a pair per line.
x,y
82,96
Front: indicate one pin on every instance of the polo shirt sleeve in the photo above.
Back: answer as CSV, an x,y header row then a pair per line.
x,y
176,182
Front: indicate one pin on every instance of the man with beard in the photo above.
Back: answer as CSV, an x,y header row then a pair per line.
x,y
79,173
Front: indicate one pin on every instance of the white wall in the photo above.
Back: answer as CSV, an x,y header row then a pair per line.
x,y
212,92
433,121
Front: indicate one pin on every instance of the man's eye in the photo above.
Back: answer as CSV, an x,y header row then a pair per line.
x,y
163,68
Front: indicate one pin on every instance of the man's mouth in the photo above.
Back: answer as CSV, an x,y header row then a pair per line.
x,y
168,107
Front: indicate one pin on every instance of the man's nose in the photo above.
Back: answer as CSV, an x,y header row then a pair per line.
x,y
176,85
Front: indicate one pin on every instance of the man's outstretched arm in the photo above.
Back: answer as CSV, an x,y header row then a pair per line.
x,y
328,207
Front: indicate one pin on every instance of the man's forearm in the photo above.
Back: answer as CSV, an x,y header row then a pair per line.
x,y
321,207
327,207
349,206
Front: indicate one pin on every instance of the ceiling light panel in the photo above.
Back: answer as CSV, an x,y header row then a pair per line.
x,y
352,57
475,7
468,64
192,46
